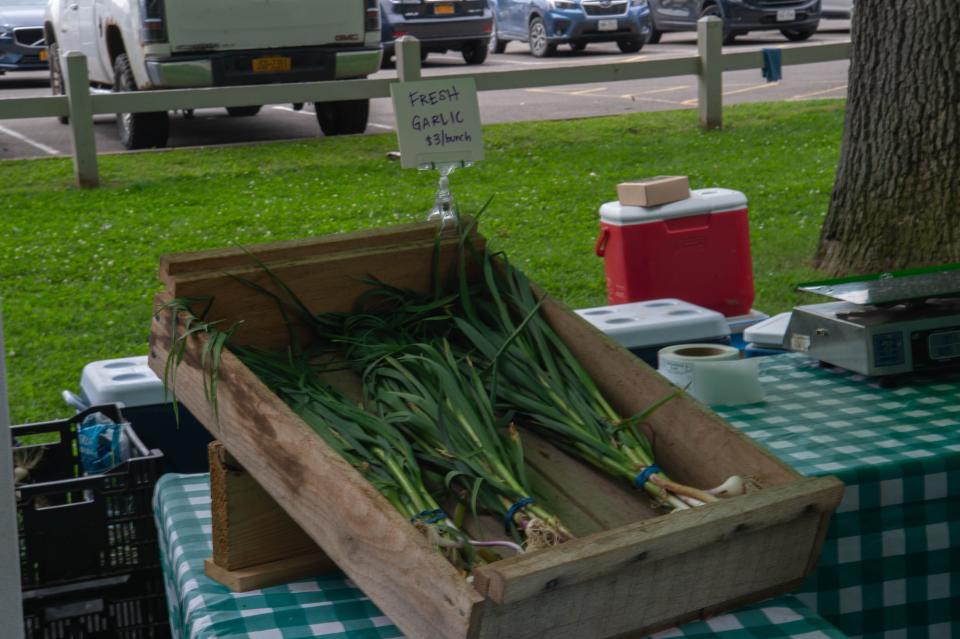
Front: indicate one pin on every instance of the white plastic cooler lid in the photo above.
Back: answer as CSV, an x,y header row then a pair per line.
x,y
701,201
129,380
656,322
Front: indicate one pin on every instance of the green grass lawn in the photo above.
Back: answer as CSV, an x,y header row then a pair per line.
x,y
78,268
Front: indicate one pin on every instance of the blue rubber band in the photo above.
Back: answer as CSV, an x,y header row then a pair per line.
x,y
645,474
430,516
508,518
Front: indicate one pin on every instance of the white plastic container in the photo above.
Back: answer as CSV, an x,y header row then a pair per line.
x,y
128,380
646,327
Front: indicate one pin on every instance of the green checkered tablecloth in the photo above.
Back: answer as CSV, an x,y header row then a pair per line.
x,y
334,608
890,567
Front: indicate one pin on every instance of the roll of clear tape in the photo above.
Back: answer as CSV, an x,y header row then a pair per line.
x,y
712,373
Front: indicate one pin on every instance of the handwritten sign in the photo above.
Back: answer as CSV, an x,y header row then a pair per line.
x,y
438,121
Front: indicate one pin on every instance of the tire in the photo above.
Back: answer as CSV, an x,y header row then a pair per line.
x,y
713,10
243,111
496,45
798,35
137,130
57,86
347,117
475,52
654,36
578,45
540,47
629,46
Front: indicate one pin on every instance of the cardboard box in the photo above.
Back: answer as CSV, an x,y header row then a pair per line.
x,y
654,191
631,570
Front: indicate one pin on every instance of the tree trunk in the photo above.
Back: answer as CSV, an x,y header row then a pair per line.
x,y
896,199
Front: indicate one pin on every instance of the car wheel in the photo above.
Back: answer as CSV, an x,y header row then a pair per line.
x,y
654,36
475,52
57,87
540,47
137,130
496,45
798,35
243,111
346,117
629,46
578,45
713,10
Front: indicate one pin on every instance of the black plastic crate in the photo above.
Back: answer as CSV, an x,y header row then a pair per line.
x,y
130,606
74,527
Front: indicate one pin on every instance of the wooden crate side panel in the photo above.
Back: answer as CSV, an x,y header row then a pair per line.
x,y
650,594
342,512
631,385
329,283
585,559
175,266
249,528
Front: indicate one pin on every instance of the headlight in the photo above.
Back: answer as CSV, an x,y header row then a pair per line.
x,y
564,4
6,32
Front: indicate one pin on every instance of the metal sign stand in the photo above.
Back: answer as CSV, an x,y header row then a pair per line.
x,y
444,207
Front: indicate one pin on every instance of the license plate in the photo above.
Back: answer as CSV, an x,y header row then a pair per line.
x,y
607,25
272,64
443,9
786,15
43,55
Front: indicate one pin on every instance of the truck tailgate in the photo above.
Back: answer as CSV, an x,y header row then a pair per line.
x,y
217,25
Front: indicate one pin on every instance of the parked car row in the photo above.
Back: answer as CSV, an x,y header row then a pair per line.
x,y
140,45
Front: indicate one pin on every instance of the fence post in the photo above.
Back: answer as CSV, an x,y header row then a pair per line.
x,y
710,79
408,59
81,120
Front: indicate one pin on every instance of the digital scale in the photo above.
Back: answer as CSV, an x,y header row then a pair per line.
x,y
888,324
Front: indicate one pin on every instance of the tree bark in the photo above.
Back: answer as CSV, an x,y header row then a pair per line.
x,y
896,198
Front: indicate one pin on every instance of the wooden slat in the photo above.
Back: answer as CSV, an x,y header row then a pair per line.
x,y
649,595
342,512
320,284
176,265
658,539
585,499
249,528
269,574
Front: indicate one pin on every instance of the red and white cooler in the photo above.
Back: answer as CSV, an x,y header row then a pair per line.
x,y
697,250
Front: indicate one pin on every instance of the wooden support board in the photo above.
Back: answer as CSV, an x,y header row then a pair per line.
x,y
631,569
255,543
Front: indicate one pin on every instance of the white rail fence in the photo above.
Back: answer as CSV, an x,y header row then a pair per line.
x,y
80,105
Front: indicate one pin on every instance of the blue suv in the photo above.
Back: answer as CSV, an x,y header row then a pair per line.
x,y
546,23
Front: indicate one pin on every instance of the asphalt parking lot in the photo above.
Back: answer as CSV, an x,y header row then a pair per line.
x,y
45,137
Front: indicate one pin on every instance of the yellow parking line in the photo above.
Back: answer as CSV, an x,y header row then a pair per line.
x,y
765,85
666,90
636,58
804,96
588,91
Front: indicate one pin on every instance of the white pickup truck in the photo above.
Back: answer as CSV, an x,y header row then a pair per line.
x,y
138,45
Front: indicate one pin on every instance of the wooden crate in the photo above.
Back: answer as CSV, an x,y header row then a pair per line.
x,y
630,570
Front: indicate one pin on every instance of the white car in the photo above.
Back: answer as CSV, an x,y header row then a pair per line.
x,y
136,45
